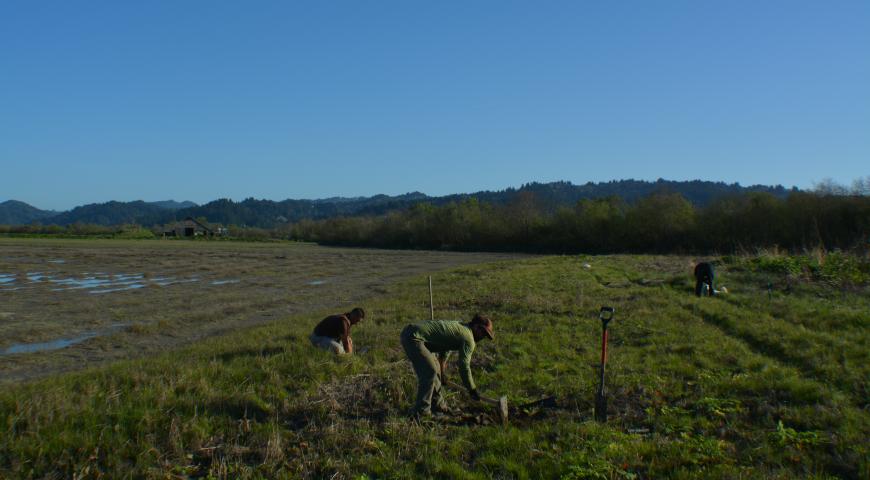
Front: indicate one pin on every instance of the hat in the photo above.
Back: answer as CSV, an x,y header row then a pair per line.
x,y
486,323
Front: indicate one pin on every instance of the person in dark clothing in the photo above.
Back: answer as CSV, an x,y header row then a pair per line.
x,y
704,274
333,332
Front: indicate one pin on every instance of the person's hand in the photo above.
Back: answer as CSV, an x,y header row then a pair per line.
x,y
474,395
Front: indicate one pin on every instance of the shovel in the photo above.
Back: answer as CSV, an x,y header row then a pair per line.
x,y
605,315
501,403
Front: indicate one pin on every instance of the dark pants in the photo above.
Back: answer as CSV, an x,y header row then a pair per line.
x,y
427,368
699,286
704,274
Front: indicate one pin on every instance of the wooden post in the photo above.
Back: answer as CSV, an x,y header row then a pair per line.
x,y
431,304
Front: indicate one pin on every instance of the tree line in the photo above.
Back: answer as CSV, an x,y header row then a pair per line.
x,y
658,223
663,222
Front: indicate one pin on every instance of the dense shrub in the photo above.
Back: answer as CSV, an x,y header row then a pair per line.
x,y
662,222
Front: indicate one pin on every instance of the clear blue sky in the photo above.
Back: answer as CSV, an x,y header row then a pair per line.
x,y
198,100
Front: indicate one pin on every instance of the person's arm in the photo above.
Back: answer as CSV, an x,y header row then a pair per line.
x,y
442,362
346,342
465,367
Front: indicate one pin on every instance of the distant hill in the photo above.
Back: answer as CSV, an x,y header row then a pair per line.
x,y
173,205
270,213
109,213
555,194
13,212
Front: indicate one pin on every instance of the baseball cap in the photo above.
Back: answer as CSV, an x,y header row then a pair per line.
x,y
486,323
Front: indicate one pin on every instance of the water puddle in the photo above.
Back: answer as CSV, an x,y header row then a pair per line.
x,y
225,282
79,283
44,346
317,282
95,283
57,344
35,277
166,281
58,260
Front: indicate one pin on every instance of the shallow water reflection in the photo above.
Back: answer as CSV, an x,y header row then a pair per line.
x,y
59,343
52,345
95,283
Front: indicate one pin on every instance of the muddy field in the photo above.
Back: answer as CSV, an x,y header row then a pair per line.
x,y
69,304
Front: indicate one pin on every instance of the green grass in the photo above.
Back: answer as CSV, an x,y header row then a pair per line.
x,y
744,385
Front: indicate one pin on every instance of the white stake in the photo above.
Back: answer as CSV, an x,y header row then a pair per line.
x,y
431,304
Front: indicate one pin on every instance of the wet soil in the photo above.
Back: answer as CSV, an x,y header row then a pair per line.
x,y
127,299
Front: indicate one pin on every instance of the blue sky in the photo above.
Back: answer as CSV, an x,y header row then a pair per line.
x,y
198,100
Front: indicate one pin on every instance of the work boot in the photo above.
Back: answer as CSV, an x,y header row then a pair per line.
x,y
425,419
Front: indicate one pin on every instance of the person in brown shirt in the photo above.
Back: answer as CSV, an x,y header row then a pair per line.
x,y
333,332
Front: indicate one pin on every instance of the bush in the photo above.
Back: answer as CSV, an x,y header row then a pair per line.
x,y
131,232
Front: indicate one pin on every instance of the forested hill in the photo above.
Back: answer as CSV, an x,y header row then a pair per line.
x,y
555,194
109,213
269,213
549,196
13,212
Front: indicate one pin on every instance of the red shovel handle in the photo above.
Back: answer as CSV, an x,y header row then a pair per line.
x,y
606,314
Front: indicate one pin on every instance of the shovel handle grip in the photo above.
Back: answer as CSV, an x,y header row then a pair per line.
x,y
605,314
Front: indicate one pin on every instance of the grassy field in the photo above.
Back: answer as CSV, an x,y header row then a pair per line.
x,y
757,383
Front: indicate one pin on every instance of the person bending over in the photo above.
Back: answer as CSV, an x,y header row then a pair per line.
x,y
425,340
333,332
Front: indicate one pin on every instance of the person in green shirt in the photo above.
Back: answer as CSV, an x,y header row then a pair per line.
x,y
425,340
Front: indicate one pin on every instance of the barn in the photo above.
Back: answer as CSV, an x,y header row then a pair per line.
x,y
190,227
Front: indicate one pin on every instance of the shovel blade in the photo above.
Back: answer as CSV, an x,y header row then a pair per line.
x,y
601,407
503,410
